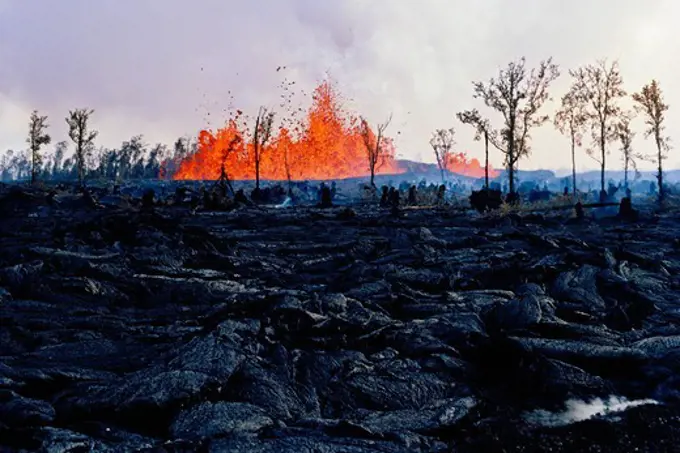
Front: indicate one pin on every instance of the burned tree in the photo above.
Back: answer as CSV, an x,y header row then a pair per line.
x,y
261,135
284,145
650,102
374,144
82,137
570,120
598,89
482,129
442,143
518,94
59,152
37,137
626,136
224,180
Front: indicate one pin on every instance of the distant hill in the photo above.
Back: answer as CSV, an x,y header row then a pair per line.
x,y
429,171
672,176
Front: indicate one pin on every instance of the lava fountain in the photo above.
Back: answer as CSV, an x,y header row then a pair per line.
x,y
329,144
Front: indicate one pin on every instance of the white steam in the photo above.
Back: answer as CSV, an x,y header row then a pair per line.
x,y
577,410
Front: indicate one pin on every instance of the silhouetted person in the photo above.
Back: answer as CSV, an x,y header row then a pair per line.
x,y
412,199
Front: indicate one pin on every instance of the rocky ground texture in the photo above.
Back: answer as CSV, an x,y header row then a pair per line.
x,y
337,330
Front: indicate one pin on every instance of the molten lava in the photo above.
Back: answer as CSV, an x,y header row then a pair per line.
x,y
328,145
459,164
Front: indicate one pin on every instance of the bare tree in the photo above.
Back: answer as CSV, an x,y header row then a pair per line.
x,y
37,137
374,143
261,135
442,142
59,152
650,102
226,152
570,120
288,166
82,137
518,94
482,129
626,136
598,88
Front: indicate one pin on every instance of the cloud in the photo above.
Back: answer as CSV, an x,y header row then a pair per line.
x,y
159,67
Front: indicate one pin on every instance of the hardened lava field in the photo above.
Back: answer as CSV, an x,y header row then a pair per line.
x,y
346,329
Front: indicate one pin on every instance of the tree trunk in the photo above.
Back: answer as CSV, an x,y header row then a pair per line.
x,y
573,166
79,164
372,174
511,179
441,170
257,173
486,160
602,163
33,169
659,175
625,171
511,153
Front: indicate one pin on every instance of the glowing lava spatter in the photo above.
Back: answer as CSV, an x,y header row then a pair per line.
x,y
328,145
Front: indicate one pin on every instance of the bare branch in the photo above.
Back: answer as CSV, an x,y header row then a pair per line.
x,y
442,142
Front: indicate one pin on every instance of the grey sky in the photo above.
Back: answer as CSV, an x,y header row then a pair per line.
x,y
138,62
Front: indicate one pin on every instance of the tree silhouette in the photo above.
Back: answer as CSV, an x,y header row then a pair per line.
x,y
570,120
650,102
518,94
37,137
59,152
625,135
261,135
82,137
442,142
598,88
482,129
375,151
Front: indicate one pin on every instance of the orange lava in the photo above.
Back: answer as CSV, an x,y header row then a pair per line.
x,y
328,145
459,164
